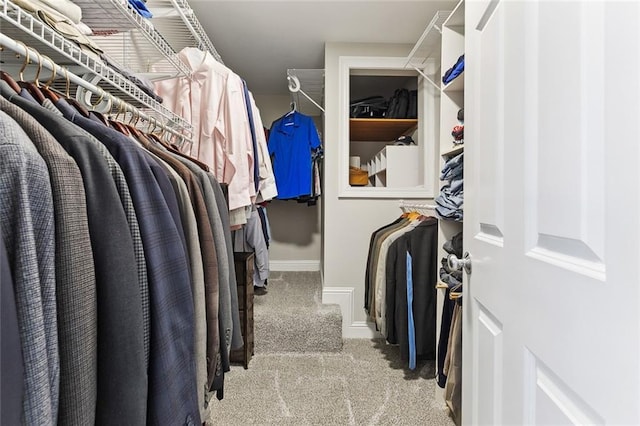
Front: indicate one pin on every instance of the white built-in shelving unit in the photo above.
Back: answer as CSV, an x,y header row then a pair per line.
x,y
395,167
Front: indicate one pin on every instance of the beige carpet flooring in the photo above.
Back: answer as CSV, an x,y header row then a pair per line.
x,y
354,382
365,384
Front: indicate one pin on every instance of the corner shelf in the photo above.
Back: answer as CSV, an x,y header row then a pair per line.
x,y
455,85
394,167
379,129
452,152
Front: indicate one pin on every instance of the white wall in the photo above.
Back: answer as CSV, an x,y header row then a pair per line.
x,y
348,223
295,228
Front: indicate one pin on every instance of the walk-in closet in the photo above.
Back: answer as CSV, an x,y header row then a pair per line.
x,y
219,212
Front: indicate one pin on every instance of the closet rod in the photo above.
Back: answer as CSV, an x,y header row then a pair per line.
x,y
46,62
409,205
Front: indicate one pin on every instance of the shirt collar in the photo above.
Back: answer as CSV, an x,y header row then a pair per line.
x,y
289,122
66,109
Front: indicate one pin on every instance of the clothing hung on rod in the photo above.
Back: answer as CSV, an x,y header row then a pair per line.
x,y
401,266
122,268
296,151
227,129
254,238
449,364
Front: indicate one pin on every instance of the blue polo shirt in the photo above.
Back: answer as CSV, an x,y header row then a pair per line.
x,y
291,142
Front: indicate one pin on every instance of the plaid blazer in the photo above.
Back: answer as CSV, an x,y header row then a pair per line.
x,y
172,398
27,229
197,285
122,379
75,276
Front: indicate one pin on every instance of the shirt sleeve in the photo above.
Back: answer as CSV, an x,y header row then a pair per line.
x,y
314,139
271,141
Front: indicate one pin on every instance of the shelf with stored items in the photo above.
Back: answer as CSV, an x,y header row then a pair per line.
x,y
452,152
23,27
123,49
380,129
137,42
178,23
375,141
130,40
450,199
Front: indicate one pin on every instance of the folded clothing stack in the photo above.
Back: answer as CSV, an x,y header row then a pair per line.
x,y
63,17
451,198
141,82
454,71
448,276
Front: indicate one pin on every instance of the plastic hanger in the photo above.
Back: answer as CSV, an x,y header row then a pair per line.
x,y
293,108
6,77
413,215
31,87
441,285
98,114
456,292
131,126
10,81
116,124
71,101
45,89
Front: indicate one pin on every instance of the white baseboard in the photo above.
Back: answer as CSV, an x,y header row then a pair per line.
x,y
294,265
343,296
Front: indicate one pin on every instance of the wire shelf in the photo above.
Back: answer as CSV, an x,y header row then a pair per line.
x,y
32,32
85,91
178,23
129,39
428,45
312,83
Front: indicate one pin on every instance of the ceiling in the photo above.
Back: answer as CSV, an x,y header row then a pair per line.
x,y
260,40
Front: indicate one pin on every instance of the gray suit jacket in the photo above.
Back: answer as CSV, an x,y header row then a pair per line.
x,y
223,209
75,276
27,228
122,377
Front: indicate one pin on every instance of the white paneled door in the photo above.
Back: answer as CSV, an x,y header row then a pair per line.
x,y
552,305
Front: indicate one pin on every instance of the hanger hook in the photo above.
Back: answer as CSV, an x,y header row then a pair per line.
x,y
53,71
102,92
121,107
37,78
67,83
109,102
26,61
134,113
